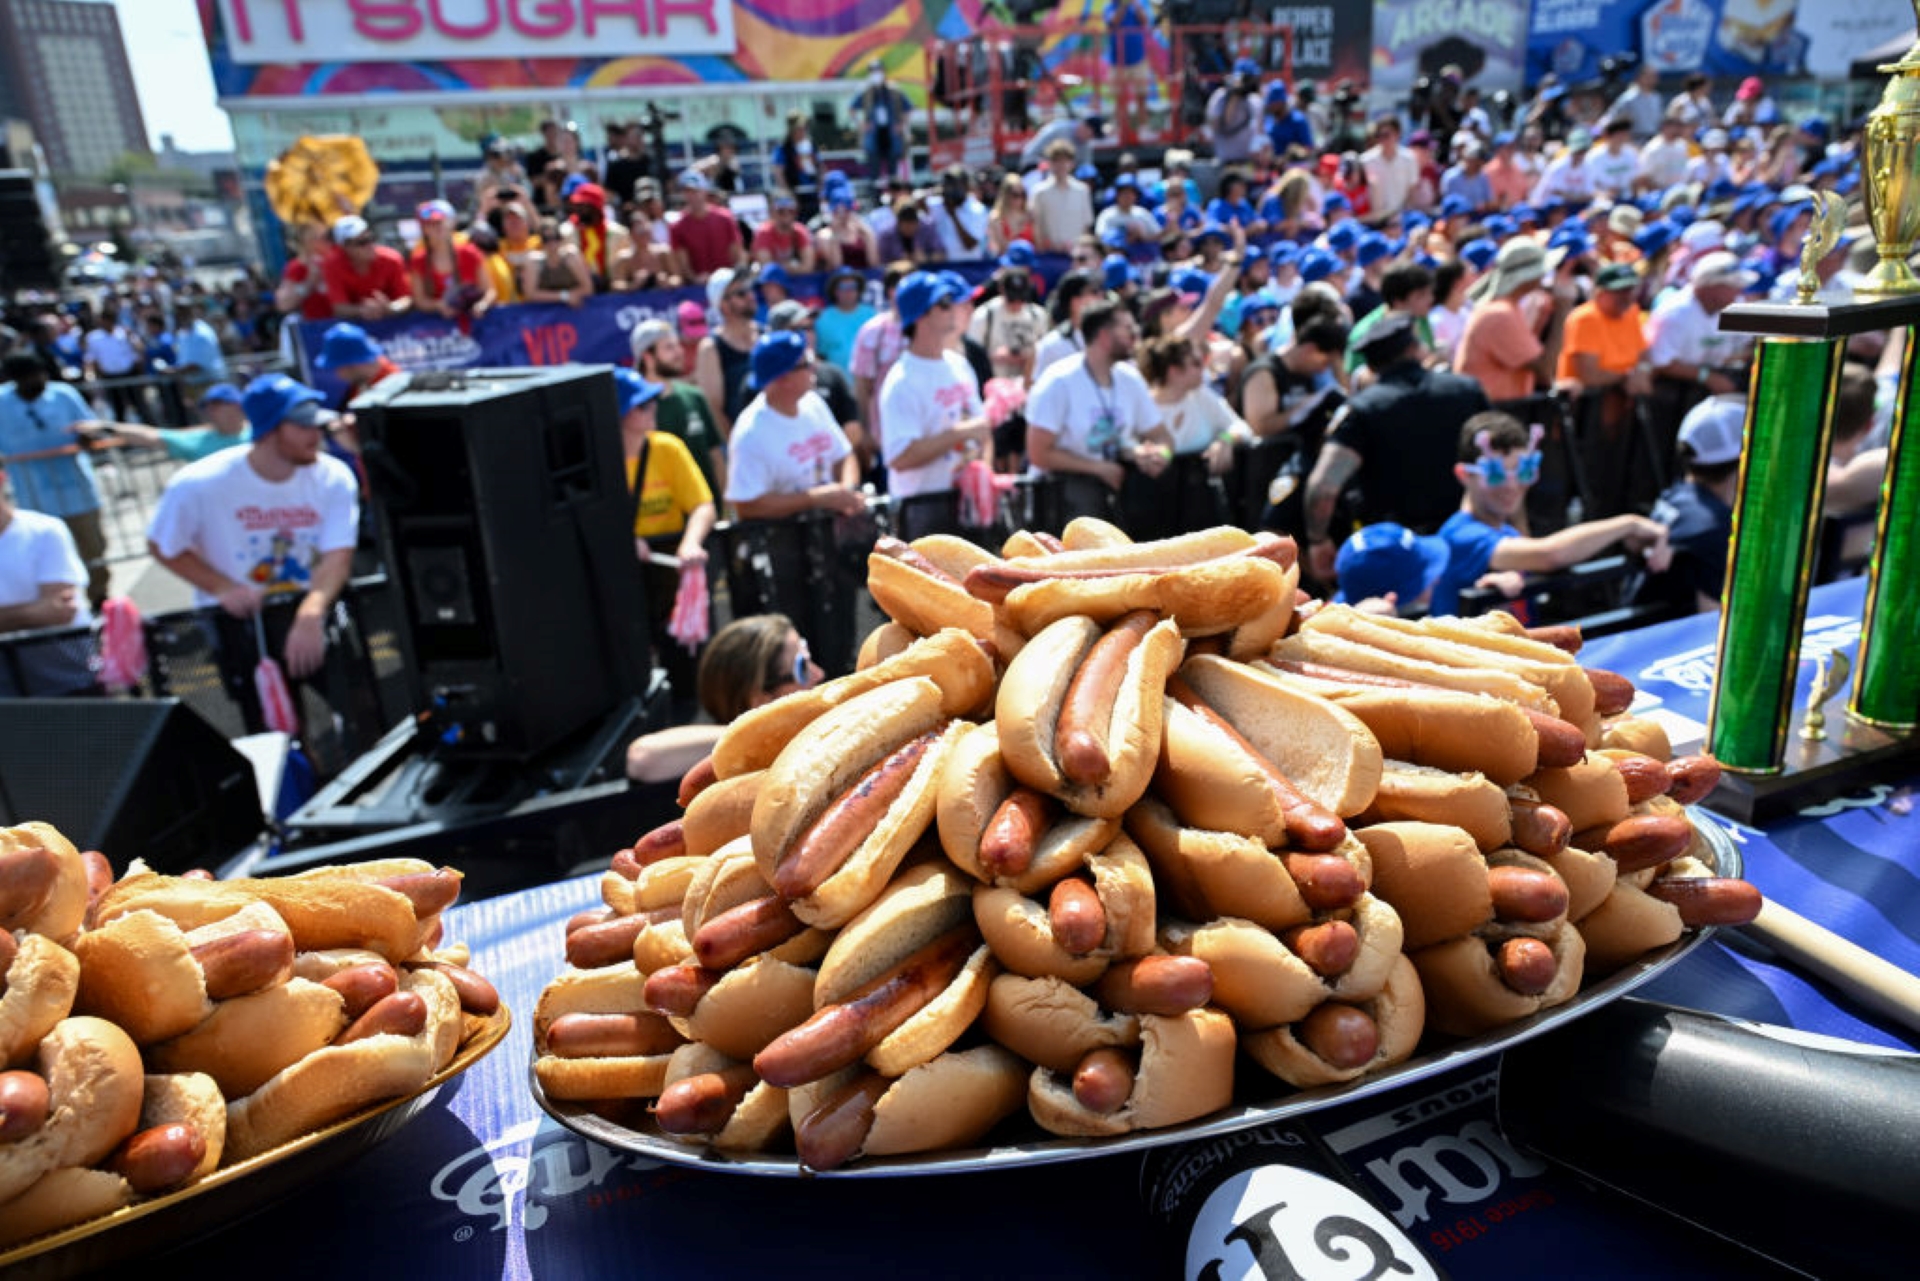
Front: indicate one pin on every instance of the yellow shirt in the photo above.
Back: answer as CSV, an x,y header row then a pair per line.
x,y
673,488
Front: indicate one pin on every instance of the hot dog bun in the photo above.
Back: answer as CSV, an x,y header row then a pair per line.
x,y
923,604
139,969
973,784
1050,1022
1433,876
951,658
1466,995
1185,1072
1397,1012
1030,704
882,642
616,990
322,908
759,1121
1205,599
721,813
60,1199
1423,794
1020,931
1591,793
1200,874
949,1101
52,889
823,764
249,1039
39,991
93,1075
193,1098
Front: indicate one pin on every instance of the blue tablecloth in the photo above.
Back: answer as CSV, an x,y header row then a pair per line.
x,y
483,1185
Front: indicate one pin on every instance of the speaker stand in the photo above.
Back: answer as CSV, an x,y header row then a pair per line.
x,y
506,824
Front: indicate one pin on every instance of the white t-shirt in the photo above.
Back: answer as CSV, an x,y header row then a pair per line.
x,y
920,397
1681,330
774,453
1055,346
1086,418
36,549
1198,418
973,216
1663,162
1391,180
263,533
1565,180
1610,174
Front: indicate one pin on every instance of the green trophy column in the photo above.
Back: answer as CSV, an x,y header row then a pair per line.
x,y
1776,523
1886,687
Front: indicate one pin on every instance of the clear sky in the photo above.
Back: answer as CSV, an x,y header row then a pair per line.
x,y
170,71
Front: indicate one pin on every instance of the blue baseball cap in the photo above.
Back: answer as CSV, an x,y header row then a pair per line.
x,y
1116,271
1682,215
1087,173
272,399
1783,217
1335,202
1245,67
346,344
774,356
1524,214
1412,220
1388,558
1114,237
1720,189
922,291
220,394
634,390
1656,236
1019,254
1126,182
1371,249
1190,280
1501,227
1282,253
574,182
1318,264
1277,91
1212,231
1505,138
1815,126
774,274
1455,206
1479,254
1344,235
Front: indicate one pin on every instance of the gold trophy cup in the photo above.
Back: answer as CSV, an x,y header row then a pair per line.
x,y
1893,178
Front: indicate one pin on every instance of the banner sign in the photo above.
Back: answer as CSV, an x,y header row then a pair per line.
x,y
1330,38
597,332
1486,39
270,31
1720,37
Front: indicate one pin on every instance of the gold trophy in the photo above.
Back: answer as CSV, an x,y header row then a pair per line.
x,y
1893,178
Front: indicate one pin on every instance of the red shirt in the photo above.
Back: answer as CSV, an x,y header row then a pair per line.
x,y
468,263
314,305
708,241
386,274
783,247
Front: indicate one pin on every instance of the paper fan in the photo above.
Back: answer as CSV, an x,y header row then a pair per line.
x,y
318,180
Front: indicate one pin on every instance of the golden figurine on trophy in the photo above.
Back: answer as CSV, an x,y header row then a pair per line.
x,y
1893,178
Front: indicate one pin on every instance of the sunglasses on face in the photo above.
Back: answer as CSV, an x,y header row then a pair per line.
x,y
798,676
1493,471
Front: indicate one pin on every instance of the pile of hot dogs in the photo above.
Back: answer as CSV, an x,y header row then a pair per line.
x,y
1091,818
156,1028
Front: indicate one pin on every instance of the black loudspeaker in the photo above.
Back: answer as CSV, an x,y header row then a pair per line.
x,y
133,779
504,512
26,259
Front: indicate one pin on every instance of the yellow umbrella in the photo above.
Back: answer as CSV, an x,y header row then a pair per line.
x,y
320,179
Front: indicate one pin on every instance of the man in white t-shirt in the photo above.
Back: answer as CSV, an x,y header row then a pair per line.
x,y
1092,410
278,518
43,583
1392,172
787,455
931,403
1663,161
1612,165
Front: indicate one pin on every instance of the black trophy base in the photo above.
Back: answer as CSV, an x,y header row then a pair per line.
x,y
1852,758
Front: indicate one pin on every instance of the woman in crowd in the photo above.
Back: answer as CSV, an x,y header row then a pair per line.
x,y
846,240
1010,219
449,273
1451,280
749,662
555,272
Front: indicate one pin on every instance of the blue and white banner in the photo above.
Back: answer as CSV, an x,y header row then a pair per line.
x,y
1720,37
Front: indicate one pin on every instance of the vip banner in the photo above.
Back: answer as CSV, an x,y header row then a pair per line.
x,y
596,332
1721,37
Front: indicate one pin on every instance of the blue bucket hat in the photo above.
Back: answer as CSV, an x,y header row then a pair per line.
x,y
776,355
634,390
1388,558
272,399
1318,264
921,292
346,344
1372,248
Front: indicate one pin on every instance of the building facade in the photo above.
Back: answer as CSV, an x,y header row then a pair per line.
x,y
63,67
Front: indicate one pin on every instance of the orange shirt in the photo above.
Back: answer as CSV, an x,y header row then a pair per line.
x,y
1498,350
1619,343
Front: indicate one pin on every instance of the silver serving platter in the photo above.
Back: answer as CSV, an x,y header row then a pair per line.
x,y
1030,1145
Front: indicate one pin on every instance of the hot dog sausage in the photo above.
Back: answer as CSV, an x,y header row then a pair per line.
x,y
1103,1081
841,1034
894,549
1006,847
696,780
1612,692
591,916
27,877
1645,840
1540,829
610,1036
401,1014
1309,826
1328,948
1156,985
1086,714
1078,918
1327,882
9,948
703,1104
159,1158
611,942
1694,778
99,878
1709,900
361,986
848,821
1526,894
1562,745
1526,965
831,1135
669,840
477,995
724,941
677,989
1563,638
1344,1036
429,892
246,961
1645,777
23,1105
